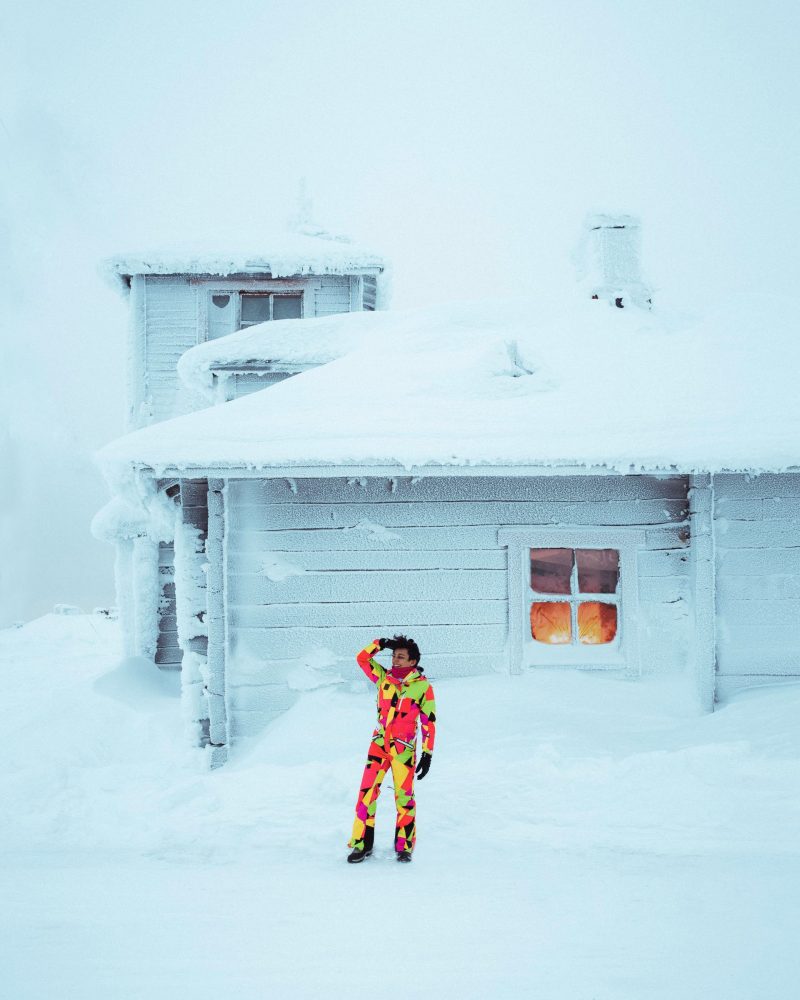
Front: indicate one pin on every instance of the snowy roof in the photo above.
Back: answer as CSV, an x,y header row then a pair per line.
x,y
284,345
281,254
532,384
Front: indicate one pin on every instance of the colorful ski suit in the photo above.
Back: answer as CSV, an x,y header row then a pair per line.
x,y
394,747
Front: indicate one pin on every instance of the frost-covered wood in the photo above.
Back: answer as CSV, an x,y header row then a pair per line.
x,y
453,514
758,577
191,607
315,568
332,295
168,327
704,644
217,626
168,650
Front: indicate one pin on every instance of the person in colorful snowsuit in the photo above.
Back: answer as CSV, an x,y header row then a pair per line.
x,y
405,696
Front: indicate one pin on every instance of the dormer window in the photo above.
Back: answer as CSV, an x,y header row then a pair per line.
x,y
259,307
229,309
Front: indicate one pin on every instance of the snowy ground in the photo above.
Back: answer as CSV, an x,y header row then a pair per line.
x,y
580,838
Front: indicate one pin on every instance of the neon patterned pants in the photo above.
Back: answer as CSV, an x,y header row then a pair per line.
x,y
401,760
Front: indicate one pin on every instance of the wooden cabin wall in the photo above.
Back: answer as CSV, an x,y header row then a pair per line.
x,y
757,536
329,564
171,328
331,295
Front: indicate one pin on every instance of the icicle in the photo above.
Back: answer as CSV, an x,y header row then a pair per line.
x,y
292,483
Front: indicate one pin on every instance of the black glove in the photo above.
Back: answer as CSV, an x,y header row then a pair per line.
x,y
385,643
424,765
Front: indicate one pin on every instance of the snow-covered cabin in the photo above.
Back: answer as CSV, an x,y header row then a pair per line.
x,y
536,484
188,296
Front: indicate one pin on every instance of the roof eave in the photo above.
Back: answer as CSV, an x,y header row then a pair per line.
x,y
388,470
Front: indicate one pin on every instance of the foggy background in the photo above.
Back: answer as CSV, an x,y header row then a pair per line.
x,y
464,141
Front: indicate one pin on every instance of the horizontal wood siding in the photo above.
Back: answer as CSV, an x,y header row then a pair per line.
x,y
171,328
332,295
757,532
322,566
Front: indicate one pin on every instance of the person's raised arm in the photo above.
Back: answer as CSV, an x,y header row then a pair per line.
x,y
372,668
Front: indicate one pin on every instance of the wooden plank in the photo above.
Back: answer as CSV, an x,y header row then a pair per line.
x,y
168,656
738,615
664,589
780,509
413,585
765,486
760,638
260,697
373,540
759,562
733,660
346,641
728,686
372,615
666,562
757,534
766,588
455,513
477,488
368,561
670,537
363,539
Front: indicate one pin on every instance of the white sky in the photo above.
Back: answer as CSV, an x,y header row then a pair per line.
x,y
464,140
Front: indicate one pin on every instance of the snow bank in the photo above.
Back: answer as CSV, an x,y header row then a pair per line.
x,y
520,383
284,345
600,844
96,758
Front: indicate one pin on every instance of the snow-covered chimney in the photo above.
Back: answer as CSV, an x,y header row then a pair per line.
x,y
614,252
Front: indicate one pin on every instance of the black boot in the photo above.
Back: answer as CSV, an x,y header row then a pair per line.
x,y
404,856
359,853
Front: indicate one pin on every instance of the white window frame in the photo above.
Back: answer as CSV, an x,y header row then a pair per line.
x,y
236,289
523,650
271,295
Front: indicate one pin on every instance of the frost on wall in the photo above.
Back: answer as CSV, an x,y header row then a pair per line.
x,y
146,583
136,519
191,569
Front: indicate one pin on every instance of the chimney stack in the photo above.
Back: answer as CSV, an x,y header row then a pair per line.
x,y
614,261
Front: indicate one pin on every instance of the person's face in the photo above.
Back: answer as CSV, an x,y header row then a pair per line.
x,y
400,658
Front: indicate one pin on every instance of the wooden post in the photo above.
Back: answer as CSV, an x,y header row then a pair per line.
x,y
701,521
217,626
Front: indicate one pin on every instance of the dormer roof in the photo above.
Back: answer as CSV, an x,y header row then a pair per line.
x,y
281,255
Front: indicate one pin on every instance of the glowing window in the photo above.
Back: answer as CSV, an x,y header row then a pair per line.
x,y
577,574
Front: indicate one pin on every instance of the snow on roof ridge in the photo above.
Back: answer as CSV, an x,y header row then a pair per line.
x,y
306,249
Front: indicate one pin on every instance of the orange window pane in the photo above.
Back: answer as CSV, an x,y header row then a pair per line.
x,y
551,622
598,571
551,570
597,623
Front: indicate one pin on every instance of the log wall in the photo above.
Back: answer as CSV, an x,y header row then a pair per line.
x,y
317,568
757,534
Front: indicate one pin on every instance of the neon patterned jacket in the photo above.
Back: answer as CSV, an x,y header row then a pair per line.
x,y
401,703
